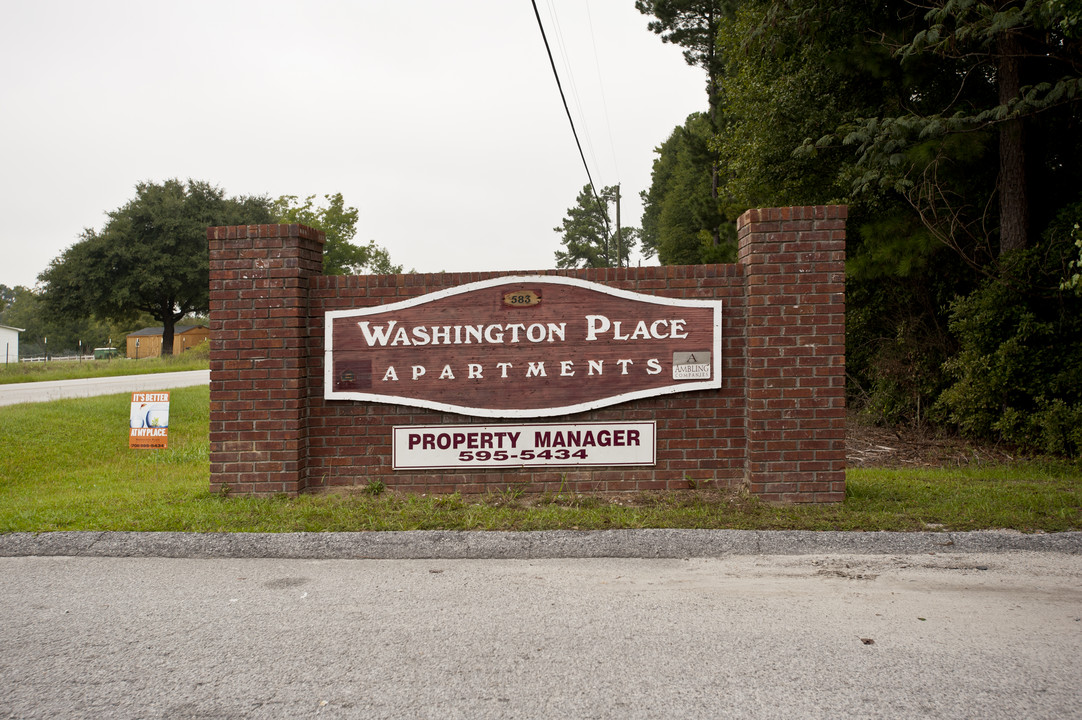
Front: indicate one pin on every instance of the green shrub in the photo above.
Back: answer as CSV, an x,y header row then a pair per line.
x,y
1073,280
896,321
1018,375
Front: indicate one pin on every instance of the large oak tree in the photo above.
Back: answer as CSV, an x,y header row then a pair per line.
x,y
151,256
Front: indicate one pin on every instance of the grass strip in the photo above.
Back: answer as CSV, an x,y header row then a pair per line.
x,y
73,369
66,465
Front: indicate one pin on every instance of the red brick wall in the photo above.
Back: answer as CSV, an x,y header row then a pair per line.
x,y
777,423
259,277
793,260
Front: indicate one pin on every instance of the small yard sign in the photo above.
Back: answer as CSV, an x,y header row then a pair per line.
x,y
149,421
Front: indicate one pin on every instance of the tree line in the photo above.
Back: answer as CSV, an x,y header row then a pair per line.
x,y
953,131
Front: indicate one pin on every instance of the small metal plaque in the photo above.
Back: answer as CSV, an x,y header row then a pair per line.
x,y
691,365
522,298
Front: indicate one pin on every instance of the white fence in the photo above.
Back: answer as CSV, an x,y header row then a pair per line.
x,y
50,358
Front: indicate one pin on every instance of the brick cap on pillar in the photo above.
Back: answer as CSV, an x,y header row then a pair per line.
x,y
240,232
806,212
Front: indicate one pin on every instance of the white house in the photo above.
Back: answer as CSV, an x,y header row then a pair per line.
x,y
9,344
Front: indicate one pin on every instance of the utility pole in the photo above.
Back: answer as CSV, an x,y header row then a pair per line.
x,y
619,239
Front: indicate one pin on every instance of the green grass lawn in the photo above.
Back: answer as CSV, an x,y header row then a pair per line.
x,y
72,369
66,465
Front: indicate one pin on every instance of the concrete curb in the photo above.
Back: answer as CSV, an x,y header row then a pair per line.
x,y
455,545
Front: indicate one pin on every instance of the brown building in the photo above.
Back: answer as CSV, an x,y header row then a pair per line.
x,y
148,341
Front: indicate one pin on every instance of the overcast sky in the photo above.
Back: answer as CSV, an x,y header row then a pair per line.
x,y
439,120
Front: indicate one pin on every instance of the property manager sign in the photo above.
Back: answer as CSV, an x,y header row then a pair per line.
x,y
520,347
428,447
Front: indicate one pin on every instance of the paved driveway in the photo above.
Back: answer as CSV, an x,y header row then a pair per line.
x,y
12,394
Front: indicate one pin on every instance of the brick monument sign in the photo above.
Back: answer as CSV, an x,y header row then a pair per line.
x,y
603,380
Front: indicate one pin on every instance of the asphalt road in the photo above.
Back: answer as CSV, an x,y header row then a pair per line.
x,y
11,394
619,624
952,632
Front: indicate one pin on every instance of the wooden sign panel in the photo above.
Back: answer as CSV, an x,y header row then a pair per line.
x,y
530,346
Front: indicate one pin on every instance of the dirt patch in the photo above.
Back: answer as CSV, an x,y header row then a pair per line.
x,y
869,446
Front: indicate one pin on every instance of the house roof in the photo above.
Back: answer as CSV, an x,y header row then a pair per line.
x,y
157,331
8,327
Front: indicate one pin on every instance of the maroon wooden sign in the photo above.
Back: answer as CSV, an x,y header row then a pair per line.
x,y
530,346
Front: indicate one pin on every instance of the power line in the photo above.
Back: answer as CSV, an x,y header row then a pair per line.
x,y
563,97
568,75
601,91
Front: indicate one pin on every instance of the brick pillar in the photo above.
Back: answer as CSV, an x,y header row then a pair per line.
x,y
794,270
259,278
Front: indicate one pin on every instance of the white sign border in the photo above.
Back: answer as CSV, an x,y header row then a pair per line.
x,y
328,368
